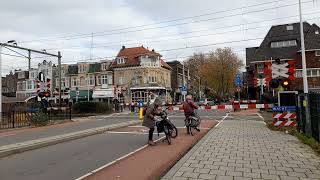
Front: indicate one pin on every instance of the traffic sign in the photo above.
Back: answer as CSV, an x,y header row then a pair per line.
x,y
77,93
238,80
184,88
284,108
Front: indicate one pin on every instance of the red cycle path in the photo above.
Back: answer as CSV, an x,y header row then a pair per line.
x,y
153,161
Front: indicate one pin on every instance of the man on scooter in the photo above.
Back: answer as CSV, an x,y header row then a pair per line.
x,y
189,106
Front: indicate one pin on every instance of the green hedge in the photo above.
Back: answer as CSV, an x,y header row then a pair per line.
x,y
40,119
91,107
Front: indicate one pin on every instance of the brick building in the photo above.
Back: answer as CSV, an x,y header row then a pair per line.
x,y
283,42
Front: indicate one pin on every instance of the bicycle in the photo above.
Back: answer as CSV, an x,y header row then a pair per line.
x,y
166,126
193,122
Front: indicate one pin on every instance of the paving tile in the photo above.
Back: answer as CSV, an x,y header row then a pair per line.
x,y
270,176
242,150
190,175
224,177
207,176
252,175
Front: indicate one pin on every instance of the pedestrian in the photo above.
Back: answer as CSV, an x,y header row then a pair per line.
x,y
189,110
132,106
149,121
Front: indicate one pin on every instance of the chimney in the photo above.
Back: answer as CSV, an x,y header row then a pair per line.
x,y
123,47
152,50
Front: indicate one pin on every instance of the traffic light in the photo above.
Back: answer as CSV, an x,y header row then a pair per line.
x,y
41,94
48,84
274,83
285,83
46,94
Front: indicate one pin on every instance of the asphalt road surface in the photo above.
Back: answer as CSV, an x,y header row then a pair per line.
x,y
76,158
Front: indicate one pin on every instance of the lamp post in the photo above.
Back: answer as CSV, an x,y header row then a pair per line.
x,y
304,75
1,82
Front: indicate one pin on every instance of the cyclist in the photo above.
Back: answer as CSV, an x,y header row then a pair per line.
x,y
149,121
189,107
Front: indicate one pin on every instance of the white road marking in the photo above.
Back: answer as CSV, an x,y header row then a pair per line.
x,y
109,164
260,116
220,122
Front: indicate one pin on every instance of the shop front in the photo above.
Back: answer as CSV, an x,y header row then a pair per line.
x,y
148,94
103,95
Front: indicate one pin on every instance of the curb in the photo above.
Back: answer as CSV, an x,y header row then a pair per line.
x,y
170,174
38,143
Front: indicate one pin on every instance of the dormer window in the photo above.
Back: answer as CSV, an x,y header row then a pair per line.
x,y
120,60
316,32
104,66
280,44
289,28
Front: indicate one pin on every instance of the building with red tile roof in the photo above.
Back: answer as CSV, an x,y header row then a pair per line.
x,y
141,74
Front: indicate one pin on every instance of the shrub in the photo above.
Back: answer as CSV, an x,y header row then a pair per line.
x,y
40,119
91,107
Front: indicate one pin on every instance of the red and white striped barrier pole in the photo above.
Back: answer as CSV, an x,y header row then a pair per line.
x,y
235,106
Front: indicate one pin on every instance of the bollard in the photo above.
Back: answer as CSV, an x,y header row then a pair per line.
x,y
141,113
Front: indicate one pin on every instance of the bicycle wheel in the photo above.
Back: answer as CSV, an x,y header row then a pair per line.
x,y
167,133
173,131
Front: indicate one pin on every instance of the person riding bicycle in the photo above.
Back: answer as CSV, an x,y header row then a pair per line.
x,y
189,110
149,121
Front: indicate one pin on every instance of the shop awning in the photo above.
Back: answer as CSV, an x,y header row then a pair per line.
x,y
105,93
83,94
151,88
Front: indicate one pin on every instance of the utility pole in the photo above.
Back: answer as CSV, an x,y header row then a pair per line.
x,y
59,70
1,82
183,80
304,74
29,59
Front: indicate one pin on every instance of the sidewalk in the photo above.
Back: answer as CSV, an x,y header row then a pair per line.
x,y
242,149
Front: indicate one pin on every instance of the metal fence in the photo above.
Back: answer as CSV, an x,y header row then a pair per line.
x,y
16,119
314,104
309,123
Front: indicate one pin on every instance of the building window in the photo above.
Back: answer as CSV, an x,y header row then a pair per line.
x,y
152,79
316,32
317,52
104,79
313,73
299,73
98,80
90,80
104,66
120,60
74,82
30,85
289,28
110,79
21,75
260,68
122,80
280,44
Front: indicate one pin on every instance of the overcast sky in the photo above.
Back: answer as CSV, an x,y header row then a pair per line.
x,y
174,28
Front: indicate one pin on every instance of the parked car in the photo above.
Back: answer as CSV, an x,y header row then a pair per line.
x,y
206,102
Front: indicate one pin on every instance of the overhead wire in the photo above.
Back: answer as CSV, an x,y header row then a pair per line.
x,y
195,21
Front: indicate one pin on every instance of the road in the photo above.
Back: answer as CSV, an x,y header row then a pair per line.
x,y
73,159
86,123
